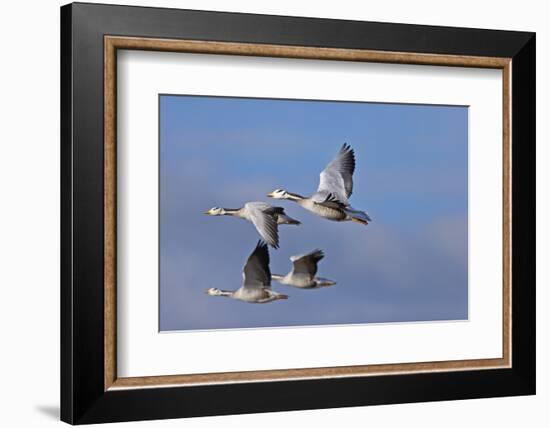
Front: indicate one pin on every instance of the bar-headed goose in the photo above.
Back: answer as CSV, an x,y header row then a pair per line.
x,y
335,187
304,269
256,286
263,216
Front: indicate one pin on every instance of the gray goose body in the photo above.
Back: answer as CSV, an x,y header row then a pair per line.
x,y
263,216
303,273
330,213
256,286
330,201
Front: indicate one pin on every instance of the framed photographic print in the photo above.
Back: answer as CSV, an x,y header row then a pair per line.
x,y
272,213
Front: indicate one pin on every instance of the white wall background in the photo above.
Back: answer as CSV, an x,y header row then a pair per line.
x,y
29,213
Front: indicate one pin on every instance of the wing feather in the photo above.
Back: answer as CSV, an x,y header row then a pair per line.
x,y
265,224
306,264
256,273
337,177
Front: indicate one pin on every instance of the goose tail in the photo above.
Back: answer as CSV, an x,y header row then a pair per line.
x,y
284,219
358,216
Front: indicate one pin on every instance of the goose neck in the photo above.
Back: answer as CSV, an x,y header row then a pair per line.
x,y
294,197
231,211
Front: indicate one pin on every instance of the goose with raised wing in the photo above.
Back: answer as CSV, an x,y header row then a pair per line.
x,y
303,273
256,286
263,216
330,201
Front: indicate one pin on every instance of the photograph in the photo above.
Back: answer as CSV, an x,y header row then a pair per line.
x,y
289,212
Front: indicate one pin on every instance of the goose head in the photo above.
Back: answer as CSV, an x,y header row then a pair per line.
x,y
215,211
214,292
279,194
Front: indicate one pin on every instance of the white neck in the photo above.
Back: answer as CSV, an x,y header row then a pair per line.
x,y
293,197
230,211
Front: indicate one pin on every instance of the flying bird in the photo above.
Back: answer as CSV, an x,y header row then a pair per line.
x,y
264,217
330,201
303,273
256,286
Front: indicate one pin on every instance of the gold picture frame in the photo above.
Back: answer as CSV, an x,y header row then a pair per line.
x,y
114,43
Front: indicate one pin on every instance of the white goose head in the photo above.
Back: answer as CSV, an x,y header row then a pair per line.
x,y
214,292
279,194
215,211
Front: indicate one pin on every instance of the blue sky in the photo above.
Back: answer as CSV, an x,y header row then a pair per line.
x,y
409,264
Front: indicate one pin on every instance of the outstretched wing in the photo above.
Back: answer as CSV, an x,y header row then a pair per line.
x,y
306,264
256,273
264,221
337,178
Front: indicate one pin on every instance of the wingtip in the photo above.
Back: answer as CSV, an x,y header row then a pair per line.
x,y
319,253
262,244
346,148
274,245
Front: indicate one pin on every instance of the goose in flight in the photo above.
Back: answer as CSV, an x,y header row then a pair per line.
x,y
263,216
335,187
304,269
256,286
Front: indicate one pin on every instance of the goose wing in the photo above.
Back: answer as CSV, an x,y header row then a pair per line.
x,y
306,264
336,180
261,216
256,273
